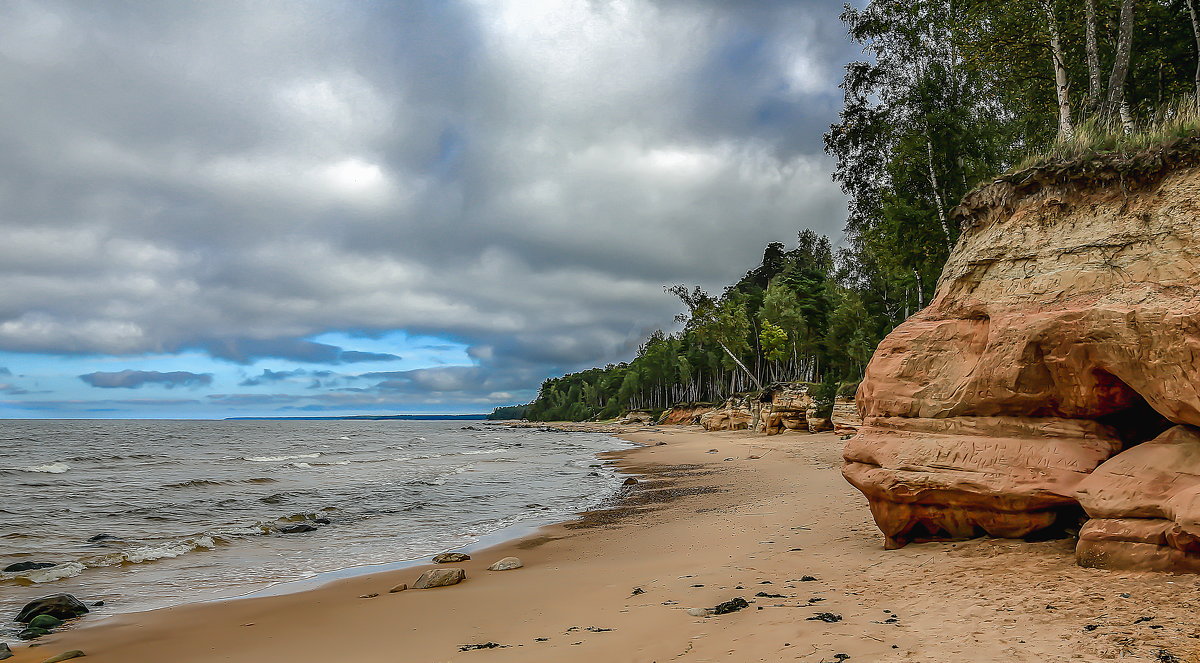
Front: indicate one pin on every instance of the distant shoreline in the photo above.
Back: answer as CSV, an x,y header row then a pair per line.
x,y
372,417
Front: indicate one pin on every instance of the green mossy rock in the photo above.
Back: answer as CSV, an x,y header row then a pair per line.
x,y
45,621
32,633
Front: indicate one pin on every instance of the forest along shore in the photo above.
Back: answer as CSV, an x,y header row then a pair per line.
x,y
715,517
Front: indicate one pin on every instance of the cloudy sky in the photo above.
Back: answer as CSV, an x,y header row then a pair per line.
x,y
217,208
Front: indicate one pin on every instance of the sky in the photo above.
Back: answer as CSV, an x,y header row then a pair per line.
x,y
300,208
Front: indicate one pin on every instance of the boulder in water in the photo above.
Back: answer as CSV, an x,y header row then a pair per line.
x,y
298,528
28,566
45,621
32,633
450,558
5,652
440,578
62,606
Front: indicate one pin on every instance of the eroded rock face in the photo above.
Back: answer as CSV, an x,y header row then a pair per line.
x,y
736,413
778,409
684,415
845,417
1145,506
1064,331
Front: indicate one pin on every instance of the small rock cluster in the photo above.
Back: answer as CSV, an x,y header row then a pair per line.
x,y
40,616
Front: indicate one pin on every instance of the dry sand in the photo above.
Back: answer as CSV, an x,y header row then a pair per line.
x,y
701,528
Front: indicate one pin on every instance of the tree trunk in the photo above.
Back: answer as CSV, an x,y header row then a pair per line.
x,y
937,194
1061,86
1120,70
741,365
1196,31
1093,59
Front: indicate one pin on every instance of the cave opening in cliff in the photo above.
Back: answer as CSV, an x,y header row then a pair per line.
x,y
1126,411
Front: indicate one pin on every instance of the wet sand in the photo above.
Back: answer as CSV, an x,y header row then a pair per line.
x,y
699,529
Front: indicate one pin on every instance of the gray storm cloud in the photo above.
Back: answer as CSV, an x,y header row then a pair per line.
x,y
522,176
130,379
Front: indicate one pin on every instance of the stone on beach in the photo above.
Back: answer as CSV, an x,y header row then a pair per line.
x,y
5,652
32,633
65,656
62,606
450,558
398,588
630,482
506,564
699,612
440,578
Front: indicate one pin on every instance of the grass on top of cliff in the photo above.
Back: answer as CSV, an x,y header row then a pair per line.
x,y
1097,139
1100,153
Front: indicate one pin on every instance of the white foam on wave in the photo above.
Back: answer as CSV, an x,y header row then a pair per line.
x,y
150,553
276,459
51,468
483,451
137,555
301,465
66,570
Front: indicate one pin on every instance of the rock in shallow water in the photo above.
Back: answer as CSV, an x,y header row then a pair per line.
x,y
450,558
5,652
298,528
62,606
32,633
45,621
28,566
440,578
506,564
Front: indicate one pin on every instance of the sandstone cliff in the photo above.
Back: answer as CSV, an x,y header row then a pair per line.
x,y
1058,365
777,409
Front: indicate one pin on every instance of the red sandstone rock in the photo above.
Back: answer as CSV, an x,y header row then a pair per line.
x,y
1145,506
845,417
1065,328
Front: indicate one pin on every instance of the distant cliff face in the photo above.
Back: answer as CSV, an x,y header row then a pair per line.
x,y
1058,365
778,409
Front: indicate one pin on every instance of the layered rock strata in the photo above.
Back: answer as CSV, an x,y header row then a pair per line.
x,y
1064,332
777,409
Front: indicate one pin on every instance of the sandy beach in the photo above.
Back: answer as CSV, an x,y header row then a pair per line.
x,y
715,516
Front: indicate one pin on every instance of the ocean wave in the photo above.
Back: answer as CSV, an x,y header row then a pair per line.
x,y
38,576
483,451
196,483
276,459
49,468
136,555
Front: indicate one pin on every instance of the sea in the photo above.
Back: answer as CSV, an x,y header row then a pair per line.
x,y
143,514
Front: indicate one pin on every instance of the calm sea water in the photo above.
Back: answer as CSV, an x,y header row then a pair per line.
x,y
143,514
